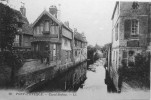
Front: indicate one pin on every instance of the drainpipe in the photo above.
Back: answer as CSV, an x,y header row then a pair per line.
x,y
149,47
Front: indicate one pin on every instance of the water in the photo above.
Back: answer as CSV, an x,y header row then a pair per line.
x,y
81,83
88,83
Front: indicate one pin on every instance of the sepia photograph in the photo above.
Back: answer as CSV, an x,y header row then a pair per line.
x,y
75,49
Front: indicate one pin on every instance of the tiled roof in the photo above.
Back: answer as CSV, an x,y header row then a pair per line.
x,y
52,17
79,36
27,29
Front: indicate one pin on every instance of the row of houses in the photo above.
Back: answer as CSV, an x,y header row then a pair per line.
x,y
131,35
57,39
50,37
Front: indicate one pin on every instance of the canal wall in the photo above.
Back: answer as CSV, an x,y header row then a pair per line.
x,y
30,80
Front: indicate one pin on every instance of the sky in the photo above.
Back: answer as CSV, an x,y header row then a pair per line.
x,y
93,17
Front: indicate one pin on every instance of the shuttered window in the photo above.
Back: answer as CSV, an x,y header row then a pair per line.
x,y
125,57
134,27
127,29
130,28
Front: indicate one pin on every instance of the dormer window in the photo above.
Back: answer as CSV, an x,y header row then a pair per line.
x,y
135,5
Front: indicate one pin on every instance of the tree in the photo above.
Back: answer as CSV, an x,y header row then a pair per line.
x,y
9,19
8,27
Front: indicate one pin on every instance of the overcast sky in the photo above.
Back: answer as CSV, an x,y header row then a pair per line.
x,y
93,17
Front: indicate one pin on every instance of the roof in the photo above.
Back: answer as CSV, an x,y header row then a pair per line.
x,y
26,27
50,15
67,27
79,36
117,2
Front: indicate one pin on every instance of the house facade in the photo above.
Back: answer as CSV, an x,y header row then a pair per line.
x,y
24,36
53,39
47,37
130,34
66,47
79,47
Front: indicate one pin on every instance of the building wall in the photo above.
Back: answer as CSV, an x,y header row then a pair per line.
x,y
46,24
127,10
128,13
27,40
138,43
141,14
66,46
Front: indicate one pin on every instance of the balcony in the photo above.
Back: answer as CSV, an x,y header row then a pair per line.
x,y
50,34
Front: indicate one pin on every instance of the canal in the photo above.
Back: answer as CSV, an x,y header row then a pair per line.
x,y
87,82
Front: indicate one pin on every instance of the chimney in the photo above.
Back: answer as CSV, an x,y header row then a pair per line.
x,y
53,10
23,11
75,29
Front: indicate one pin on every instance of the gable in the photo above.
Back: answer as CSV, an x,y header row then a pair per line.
x,y
46,14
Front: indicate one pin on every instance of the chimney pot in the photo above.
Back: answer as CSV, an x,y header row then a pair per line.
x,y
23,11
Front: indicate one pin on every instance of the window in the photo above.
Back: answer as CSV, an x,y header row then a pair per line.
x,y
54,50
130,28
65,42
124,60
134,30
76,53
38,30
116,32
41,28
75,43
131,58
46,25
124,54
16,40
116,60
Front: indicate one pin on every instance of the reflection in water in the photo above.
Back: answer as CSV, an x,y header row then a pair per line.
x,y
89,84
72,80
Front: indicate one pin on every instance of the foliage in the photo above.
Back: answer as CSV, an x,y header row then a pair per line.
x,y
142,63
140,73
91,50
9,19
8,26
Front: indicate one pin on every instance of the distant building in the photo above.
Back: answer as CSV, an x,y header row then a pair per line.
x,y
80,46
131,29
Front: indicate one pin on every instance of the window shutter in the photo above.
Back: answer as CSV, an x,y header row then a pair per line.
x,y
127,29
